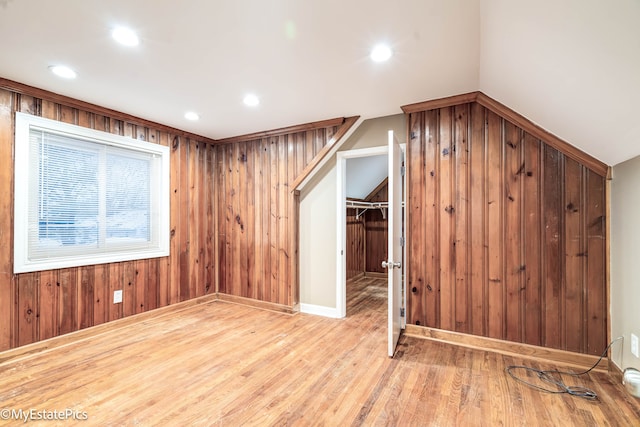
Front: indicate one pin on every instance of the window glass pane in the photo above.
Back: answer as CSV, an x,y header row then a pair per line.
x,y
67,196
128,204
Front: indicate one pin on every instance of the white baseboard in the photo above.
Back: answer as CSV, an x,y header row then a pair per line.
x,y
319,310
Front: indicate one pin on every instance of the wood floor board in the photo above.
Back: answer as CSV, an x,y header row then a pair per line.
x,y
221,363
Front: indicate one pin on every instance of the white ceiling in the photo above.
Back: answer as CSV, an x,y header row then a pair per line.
x,y
572,66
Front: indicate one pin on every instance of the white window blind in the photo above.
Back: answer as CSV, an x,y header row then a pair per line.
x,y
85,197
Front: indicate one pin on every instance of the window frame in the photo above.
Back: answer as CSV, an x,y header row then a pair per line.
x,y
24,123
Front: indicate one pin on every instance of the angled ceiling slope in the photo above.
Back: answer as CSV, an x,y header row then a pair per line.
x,y
571,66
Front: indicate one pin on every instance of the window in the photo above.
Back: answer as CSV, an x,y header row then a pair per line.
x,y
86,197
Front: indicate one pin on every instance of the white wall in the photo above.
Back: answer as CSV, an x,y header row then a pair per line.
x,y
625,259
318,243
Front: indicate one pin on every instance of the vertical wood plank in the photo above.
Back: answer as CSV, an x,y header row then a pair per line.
x,y
532,241
100,295
141,279
173,287
210,191
242,220
447,221
48,304
7,291
595,332
165,263
308,147
274,271
295,263
194,210
514,267
152,281
292,224
462,290
415,171
184,245
265,290
114,279
354,257
27,316
86,294
201,218
552,277
235,222
129,283
228,217
67,301
575,254
494,227
29,104
283,283
478,272
258,215
431,216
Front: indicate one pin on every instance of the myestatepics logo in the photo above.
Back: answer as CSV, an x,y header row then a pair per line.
x,y
27,415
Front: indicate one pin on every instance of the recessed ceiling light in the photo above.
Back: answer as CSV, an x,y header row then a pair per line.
x,y
125,36
381,53
63,71
251,100
190,115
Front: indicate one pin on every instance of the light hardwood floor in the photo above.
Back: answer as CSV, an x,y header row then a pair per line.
x,y
219,363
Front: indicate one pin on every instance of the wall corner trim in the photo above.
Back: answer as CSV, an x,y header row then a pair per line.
x,y
348,126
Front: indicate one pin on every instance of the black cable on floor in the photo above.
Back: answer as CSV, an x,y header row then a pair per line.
x,y
554,377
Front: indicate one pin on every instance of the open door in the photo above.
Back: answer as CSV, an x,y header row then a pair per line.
x,y
393,264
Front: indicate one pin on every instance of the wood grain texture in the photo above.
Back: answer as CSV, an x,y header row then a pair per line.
x,y
355,256
506,233
261,367
7,293
257,212
42,305
376,230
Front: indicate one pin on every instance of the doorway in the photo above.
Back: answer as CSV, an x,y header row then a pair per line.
x,y
361,186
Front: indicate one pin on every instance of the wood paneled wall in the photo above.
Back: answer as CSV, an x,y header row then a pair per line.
x,y
41,305
377,231
366,237
233,222
507,234
257,241
355,244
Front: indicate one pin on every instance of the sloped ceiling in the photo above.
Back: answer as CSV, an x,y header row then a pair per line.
x,y
364,174
571,66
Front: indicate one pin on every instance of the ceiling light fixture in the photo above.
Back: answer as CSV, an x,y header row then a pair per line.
x,y
381,53
125,36
190,115
251,100
63,71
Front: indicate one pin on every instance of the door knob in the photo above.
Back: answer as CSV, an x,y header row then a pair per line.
x,y
391,264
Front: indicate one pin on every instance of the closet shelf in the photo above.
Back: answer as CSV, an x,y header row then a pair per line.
x,y
368,205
